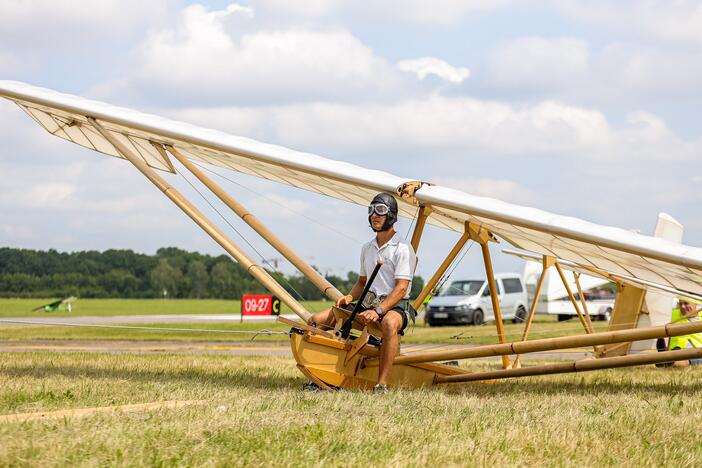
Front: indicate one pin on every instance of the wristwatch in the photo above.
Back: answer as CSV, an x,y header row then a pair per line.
x,y
379,310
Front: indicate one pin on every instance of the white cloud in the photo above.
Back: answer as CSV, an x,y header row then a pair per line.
x,y
539,62
426,66
641,67
678,21
206,57
297,10
441,12
571,68
548,128
501,189
50,195
438,11
48,23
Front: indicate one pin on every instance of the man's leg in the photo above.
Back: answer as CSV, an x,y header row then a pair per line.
x,y
323,320
391,326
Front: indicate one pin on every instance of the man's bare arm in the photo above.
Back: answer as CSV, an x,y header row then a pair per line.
x,y
358,287
355,292
396,295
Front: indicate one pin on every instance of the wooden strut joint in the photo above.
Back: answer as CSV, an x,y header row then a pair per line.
x,y
201,220
422,216
357,345
478,233
310,273
407,191
164,156
588,329
547,262
549,344
429,287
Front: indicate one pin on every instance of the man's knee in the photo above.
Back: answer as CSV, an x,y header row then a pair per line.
x,y
391,323
325,317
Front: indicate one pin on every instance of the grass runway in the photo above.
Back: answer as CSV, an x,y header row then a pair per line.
x,y
108,307
544,327
253,413
256,415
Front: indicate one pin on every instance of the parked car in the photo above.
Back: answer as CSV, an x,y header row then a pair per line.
x,y
466,302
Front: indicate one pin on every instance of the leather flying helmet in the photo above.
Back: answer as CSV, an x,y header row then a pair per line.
x,y
383,204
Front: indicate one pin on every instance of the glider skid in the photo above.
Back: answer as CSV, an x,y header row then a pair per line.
x,y
333,362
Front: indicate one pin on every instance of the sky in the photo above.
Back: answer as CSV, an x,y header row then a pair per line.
x,y
589,109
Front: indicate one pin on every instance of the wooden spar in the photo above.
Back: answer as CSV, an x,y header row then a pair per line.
x,y
586,312
576,366
201,220
493,297
310,273
547,263
549,344
572,299
441,270
422,216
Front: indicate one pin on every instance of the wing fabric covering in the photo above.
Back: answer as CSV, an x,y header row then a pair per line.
x,y
610,249
607,275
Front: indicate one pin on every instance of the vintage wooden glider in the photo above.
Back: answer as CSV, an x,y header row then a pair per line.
x,y
637,263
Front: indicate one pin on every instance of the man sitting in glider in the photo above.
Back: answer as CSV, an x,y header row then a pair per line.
x,y
387,302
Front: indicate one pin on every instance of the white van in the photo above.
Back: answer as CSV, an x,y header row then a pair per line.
x,y
465,302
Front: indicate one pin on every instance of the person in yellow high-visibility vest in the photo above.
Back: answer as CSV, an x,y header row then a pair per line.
x,y
686,312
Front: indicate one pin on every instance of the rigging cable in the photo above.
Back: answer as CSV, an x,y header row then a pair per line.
x,y
263,259
447,275
277,202
413,219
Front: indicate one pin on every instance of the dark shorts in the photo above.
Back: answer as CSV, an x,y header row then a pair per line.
x,y
403,308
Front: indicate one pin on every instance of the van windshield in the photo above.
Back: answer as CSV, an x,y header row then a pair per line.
x,y
461,288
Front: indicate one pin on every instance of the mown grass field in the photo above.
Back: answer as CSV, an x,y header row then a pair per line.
x,y
256,415
111,307
417,334
544,327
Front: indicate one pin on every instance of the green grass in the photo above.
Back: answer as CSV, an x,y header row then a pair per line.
x,y
418,334
544,326
256,415
111,307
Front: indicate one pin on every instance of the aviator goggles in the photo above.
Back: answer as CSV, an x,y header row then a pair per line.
x,y
381,209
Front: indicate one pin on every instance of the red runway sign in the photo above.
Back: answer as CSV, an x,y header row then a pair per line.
x,y
259,304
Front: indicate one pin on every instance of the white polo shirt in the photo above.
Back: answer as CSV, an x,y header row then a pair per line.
x,y
399,261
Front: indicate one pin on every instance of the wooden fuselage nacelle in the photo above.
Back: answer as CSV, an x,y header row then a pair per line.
x,y
330,361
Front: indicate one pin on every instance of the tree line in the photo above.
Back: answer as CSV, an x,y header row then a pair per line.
x,y
171,272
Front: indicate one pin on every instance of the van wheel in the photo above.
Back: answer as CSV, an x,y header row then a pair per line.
x,y
564,317
478,318
607,315
520,316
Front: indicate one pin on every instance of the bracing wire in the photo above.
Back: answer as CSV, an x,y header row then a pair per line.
x,y
454,265
277,202
263,258
414,218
